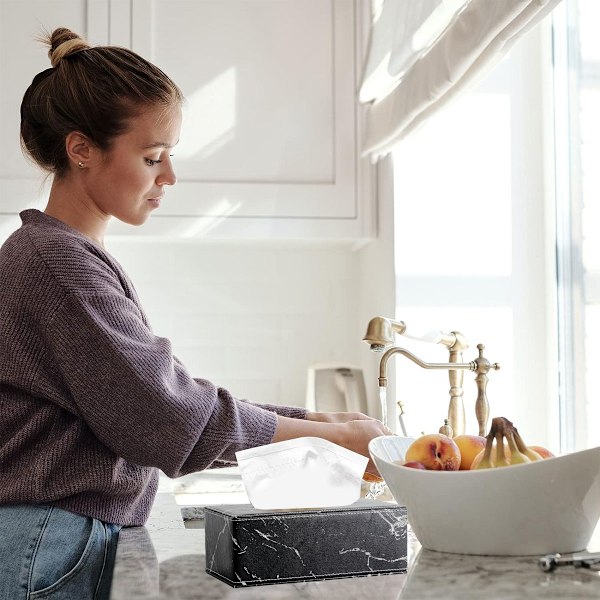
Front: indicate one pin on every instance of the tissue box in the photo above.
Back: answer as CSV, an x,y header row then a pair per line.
x,y
248,546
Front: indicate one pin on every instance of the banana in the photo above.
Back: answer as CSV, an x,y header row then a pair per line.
x,y
532,455
493,455
516,457
502,459
486,462
496,455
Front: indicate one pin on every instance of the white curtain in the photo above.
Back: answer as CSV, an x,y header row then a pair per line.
x,y
422,53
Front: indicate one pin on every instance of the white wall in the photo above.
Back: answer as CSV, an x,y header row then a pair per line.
x,y
376,292
249,316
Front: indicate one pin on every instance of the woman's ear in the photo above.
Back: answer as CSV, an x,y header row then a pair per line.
x,y
79,149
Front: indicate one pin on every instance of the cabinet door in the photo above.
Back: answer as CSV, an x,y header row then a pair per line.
x,y
268,143
21,58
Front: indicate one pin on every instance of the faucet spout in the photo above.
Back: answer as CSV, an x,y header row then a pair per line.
x,y
470,366
480,365
380,332
381,338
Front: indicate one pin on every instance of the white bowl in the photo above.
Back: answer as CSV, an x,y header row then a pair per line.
x,y
543,507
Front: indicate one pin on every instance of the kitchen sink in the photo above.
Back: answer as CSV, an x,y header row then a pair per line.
x,y
193,517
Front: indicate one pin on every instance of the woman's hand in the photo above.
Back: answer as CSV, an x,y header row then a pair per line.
x,y
352,433
356,436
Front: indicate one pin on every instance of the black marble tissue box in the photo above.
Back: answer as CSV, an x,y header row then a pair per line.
x,y
247,546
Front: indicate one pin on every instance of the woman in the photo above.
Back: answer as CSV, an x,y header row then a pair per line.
x,y
93,403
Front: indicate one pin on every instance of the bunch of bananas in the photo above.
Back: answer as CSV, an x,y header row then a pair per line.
x,y
510,449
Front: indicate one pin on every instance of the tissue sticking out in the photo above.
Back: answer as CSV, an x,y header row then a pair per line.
x,y
305,472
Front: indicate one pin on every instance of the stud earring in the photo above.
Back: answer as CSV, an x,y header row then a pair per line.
x,y
80,165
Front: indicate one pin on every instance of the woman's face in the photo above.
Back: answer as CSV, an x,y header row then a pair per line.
x,y
128,181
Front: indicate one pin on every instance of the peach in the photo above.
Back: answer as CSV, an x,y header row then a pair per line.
x,y
436,451
414,465
543,452
470,446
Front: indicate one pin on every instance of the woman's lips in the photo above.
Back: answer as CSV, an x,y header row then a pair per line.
x,y
155,201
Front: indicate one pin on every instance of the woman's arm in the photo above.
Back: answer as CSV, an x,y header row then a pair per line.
x,y
295,412
336,417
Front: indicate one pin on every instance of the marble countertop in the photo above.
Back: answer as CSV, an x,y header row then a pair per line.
x,y
165,560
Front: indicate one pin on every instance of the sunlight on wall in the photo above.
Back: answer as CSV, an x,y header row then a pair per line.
x,y
202,225
209,117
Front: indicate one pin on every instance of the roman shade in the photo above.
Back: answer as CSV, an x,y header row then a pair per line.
x,y
422,53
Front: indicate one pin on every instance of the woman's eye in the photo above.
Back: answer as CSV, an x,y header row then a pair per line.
x,y
151,162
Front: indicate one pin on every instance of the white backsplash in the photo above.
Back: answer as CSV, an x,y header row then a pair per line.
x,y
250,317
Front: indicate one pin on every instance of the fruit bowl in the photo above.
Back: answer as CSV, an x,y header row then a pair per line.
x,y
543,507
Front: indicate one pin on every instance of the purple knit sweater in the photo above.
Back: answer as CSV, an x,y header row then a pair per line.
x,y
92,403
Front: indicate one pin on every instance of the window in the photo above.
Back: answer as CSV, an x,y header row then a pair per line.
x,y
497,201
475,248
577,124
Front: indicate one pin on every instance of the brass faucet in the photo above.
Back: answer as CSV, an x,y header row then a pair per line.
x,y
380,334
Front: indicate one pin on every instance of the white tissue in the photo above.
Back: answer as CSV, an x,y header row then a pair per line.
x,y
305,472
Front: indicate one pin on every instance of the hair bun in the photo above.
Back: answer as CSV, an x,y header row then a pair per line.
x,y
63,42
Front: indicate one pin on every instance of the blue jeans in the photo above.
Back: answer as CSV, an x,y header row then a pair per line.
x,y
52,554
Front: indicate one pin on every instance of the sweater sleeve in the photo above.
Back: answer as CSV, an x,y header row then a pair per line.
x,y
138,400
294,412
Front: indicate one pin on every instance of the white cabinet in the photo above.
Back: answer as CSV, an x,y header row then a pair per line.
x,y
21,58
269,146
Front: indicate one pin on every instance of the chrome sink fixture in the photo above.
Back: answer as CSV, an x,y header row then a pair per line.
x,y
381,338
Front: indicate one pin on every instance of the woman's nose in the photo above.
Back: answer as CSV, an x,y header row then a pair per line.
x,y
167,176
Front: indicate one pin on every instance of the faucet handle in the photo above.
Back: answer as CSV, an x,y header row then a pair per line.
x,y
482,364
482,407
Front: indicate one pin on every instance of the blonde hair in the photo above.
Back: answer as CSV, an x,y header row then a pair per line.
x,y
95,90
